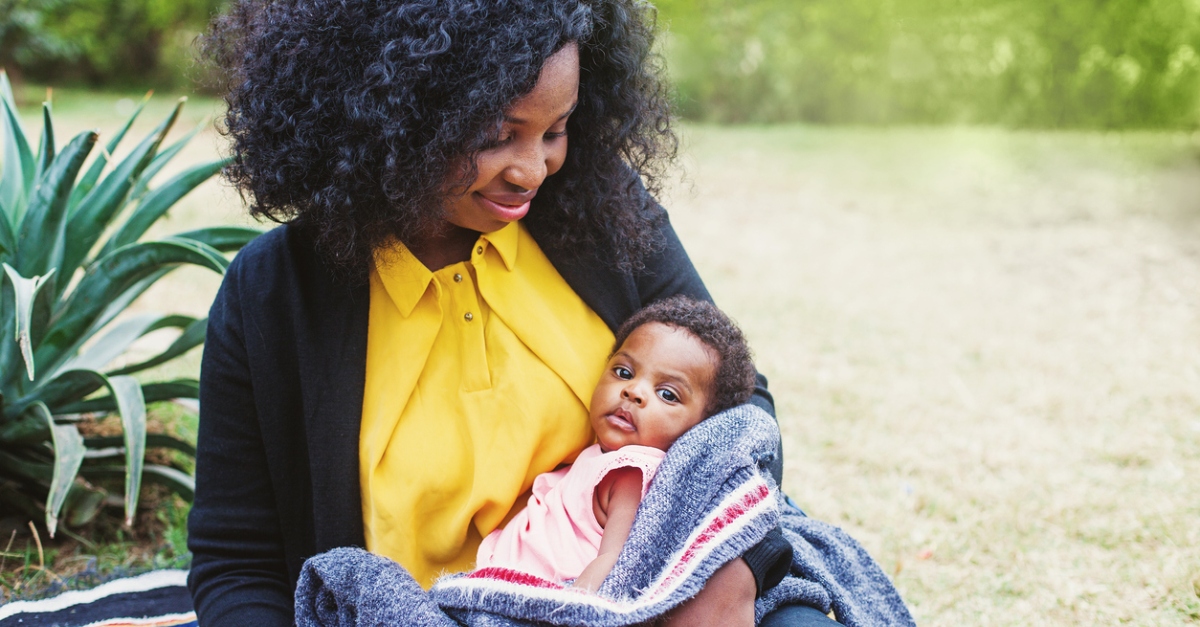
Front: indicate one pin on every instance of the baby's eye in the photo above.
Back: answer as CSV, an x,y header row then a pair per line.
x,y
668,396
622,372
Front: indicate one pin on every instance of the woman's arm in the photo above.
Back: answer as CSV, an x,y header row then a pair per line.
x,y
616,501
238,574
727,599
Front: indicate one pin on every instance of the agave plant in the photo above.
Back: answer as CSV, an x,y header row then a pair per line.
x,y
73,263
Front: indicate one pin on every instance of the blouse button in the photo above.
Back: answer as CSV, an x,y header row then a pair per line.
x,y
479,250
457,278
468,317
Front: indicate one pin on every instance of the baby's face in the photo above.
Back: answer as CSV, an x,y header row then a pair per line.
x,y
654,388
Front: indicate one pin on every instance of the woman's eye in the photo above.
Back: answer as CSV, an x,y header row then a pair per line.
x,y
554,136
668,396
622,372
498,141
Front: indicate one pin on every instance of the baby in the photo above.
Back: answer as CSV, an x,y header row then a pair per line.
x,y
676,362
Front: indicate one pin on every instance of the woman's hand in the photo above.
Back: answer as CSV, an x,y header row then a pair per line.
x,y
726,600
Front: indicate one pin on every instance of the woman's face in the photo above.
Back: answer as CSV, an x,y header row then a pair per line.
x,y
531,145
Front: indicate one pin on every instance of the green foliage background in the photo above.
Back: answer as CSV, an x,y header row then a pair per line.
x,y
1029,63
1024,63
115,43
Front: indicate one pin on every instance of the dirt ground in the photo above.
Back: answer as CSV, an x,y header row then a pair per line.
x,y
984,346
985,350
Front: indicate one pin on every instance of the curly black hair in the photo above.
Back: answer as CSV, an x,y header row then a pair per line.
x,y
349,117
734,381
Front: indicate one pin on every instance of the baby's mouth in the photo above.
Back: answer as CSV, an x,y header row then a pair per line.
x,y
621,419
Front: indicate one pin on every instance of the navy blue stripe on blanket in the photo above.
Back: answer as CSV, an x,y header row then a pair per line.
x,y
158,598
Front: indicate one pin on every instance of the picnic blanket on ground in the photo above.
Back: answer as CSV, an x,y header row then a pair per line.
x,y
155,599
710,501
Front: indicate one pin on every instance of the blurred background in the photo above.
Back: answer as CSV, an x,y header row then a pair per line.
x,y
963,237
1017,63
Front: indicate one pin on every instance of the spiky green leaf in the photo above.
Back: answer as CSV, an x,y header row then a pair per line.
x,y
173,479
153,440
106,281
132,408
192,336
40,247
8,241
120,304
161,159
157,202
130,404
24,468
83,504
91,217
17,177
68,457
176,481
223,238
6,91
25,428
24,291
97,168
47,146
120,337
152,392
63,389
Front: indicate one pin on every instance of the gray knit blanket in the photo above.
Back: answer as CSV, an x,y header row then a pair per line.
x,y
710,501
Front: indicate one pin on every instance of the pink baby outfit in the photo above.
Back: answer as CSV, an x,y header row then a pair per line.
x,y
557,535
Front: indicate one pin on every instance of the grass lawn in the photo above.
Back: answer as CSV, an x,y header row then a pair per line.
x,y
984,346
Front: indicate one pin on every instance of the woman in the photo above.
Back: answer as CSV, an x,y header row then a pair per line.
x,y
394,366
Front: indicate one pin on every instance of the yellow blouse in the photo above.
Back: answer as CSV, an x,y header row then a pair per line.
x,y
478,379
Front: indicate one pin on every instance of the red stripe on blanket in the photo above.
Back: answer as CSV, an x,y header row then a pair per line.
x,y
731,513
513,576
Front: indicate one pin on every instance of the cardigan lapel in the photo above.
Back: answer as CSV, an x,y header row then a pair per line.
x,y
332,350
610,293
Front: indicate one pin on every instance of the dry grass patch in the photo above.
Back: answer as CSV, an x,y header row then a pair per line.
x,y
985,350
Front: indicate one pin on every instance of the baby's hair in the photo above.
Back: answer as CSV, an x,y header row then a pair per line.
x,y
734,379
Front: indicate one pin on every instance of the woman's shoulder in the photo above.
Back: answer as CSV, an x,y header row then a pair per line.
x,y
272,251
283,255
282,269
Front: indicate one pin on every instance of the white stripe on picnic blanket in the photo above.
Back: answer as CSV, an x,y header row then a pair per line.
x,y
659,591
141,583
153,620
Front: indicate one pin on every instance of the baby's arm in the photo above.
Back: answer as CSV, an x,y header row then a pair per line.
x,y
615,503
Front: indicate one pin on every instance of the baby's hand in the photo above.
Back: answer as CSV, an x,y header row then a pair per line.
x,y
591,577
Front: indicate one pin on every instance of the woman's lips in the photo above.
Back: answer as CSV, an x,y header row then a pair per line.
x,y
502,210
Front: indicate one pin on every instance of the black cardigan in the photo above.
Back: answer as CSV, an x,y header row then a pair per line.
x,y
281,392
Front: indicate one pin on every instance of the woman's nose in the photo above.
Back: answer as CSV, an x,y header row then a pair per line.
x,y
528,168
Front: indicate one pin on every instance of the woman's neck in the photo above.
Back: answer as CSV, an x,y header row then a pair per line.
x,y
447,247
